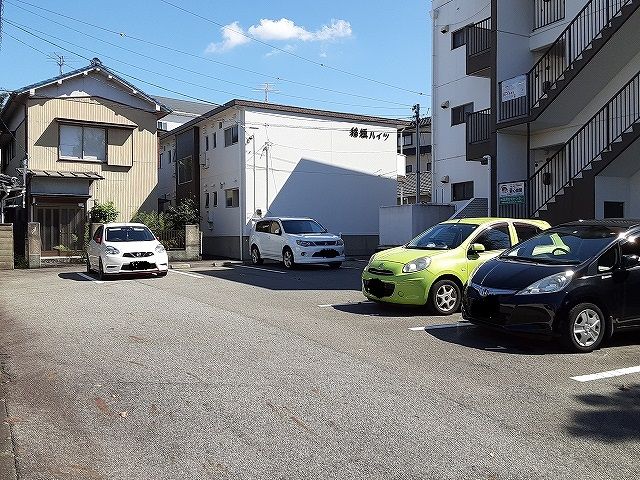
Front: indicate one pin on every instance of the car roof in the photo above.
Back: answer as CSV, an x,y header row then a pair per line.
x,y
285,218
612,223
124,225
482,220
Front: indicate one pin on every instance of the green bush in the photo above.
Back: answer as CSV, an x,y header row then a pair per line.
x,y
187,212
103,213
156,221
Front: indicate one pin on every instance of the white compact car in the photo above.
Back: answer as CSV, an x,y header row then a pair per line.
x,y
295,240
118,248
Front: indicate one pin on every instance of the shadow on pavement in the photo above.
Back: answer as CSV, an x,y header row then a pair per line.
x,y
374,309
77,278
108,278
611,417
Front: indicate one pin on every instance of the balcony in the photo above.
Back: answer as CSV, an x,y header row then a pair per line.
x,y
547,12
480,135
479,49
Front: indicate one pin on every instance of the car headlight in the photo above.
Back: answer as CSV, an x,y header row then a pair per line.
x,y
111,250
340,242
160,248
417,265
550,284
305,243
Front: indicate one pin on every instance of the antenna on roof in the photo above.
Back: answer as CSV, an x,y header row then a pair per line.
x,y
266,88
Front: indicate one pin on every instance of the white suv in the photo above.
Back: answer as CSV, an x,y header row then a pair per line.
x,y
118,248
295,240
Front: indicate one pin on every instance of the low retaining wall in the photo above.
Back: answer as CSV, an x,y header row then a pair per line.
x,y
6,246
192,246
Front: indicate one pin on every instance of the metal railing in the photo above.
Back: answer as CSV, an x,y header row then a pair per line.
x,y
569,47
547,12
479,37
171,239
587,145
479,126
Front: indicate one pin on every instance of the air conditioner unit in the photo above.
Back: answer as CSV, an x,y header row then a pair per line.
x,y
445,179
445,104
444,29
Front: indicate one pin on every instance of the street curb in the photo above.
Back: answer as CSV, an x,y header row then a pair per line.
x,y
7,457
227,263
179,266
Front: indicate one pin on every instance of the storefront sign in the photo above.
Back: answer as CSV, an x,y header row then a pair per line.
x,y
514,88
511,193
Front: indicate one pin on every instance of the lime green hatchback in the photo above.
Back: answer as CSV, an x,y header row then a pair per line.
x,y
433,268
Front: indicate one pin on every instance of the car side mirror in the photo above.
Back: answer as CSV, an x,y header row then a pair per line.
x,y
477,248
630,261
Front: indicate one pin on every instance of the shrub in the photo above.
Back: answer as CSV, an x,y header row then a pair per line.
x,y
186,212
103,213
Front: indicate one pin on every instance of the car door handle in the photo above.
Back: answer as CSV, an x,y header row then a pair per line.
x,y
605,277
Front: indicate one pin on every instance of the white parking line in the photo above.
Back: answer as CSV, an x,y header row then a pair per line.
x,y
187,274
263,269
461,323
611,373
87,277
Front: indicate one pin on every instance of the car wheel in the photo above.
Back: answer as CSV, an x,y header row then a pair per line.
x,y
445,297
287,259
585,328
256,259
101,274
89,270
162,274
335,264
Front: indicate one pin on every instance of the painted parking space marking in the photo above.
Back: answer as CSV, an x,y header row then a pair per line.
x,y
461,323
608,374
263,269
87,277
187,274
333,305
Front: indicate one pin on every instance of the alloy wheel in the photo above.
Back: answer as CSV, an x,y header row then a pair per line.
x,y
446,297
288,259
586,327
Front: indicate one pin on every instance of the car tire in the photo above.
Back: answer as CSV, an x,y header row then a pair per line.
x,y
287,259
163,273
101,274
89,269
335,265
445,297
585,328
256,259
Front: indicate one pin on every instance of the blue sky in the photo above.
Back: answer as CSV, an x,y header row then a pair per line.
x,y
383,41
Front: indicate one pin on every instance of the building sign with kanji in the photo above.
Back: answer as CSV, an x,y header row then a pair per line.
x,y
365,133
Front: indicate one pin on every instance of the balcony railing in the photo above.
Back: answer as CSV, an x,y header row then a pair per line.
x,y
561,56
588,144
479,126
479,37
547,12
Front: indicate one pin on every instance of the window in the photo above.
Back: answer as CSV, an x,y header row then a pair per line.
x,y
459,38
206,143
219,124
169,152
83,143
215,199
185,170
97,237
443,236
429,167
232,198
495,238
460,113
525,231
275,228
461,191
407,139
215,140
129,234
206,200
231,135
613,209
608,260
408,169
298,227
263,227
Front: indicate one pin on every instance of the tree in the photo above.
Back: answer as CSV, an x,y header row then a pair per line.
x,y
185,213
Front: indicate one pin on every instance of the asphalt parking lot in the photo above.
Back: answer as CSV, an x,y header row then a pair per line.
x,y
257,372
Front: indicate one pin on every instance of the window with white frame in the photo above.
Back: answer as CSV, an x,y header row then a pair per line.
x,y
232,198
230,135
83,143
185,170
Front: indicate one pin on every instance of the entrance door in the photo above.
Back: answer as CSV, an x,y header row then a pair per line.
x,y
61,229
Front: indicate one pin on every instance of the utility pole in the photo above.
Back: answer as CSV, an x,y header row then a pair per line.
x,y
416,109
266,167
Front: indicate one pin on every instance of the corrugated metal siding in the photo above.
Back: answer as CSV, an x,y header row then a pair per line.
x,y
18,154
129,187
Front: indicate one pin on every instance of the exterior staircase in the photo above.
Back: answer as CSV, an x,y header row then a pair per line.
x,y
476,207
564,185
581,40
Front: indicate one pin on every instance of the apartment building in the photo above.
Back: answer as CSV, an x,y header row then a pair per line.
x,y
558,83
408,171
246,159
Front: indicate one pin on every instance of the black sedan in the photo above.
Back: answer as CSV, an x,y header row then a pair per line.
x,y
579,281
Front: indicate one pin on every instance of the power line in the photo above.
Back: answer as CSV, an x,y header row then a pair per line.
x,y
31,30
190,54
293,54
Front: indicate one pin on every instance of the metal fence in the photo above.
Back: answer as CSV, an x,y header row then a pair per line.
x,y
479,37
171,239
479,126
547,12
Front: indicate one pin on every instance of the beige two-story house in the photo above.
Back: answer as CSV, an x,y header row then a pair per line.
x,y
85,137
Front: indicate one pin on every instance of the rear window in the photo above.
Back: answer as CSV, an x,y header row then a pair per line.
x,y
129,234
526,231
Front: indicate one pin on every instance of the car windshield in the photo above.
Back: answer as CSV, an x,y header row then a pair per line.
x,y
129,234
570,245
444,236
302,226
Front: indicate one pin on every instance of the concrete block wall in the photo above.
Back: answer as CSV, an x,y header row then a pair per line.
x,y
192,246
6,246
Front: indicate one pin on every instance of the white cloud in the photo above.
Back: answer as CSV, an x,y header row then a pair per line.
x,y
232,36
280,30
